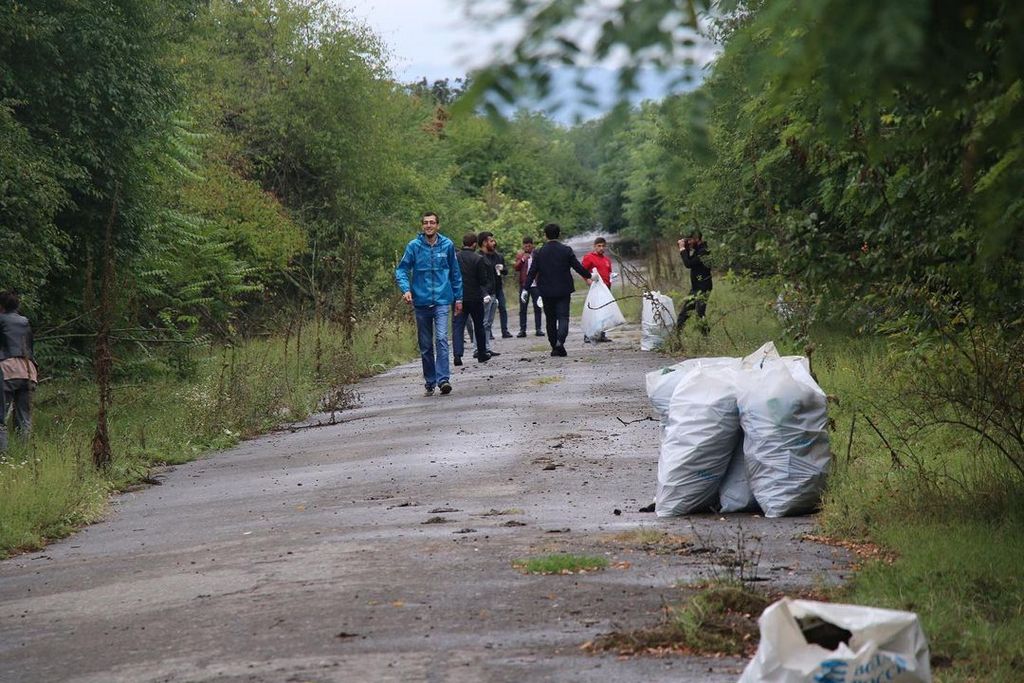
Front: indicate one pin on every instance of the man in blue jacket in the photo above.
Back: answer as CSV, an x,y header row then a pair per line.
x,y
436,284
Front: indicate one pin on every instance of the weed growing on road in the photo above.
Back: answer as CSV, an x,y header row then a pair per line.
x,y
561,564
653,541
720,619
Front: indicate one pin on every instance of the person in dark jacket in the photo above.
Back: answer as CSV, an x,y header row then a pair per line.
x,y
17,365
693,250
489,250
477,291
552,263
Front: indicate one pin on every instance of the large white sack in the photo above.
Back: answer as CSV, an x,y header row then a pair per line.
x,y
785,436
698,442
661,384
734,494
657,320
884,645
600,312
767,352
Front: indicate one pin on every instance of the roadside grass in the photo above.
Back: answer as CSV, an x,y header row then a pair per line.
x,y
49,486
547,380
944,505
560,564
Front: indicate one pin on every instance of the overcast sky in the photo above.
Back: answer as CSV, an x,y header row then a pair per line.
x,y
434,39
428,38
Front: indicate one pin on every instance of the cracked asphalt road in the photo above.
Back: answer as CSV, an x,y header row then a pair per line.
x,y
306,556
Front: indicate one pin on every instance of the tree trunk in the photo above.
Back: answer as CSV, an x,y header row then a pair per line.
x,y
103,359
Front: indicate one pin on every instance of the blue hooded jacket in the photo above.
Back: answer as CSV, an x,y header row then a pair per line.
x,y
436,276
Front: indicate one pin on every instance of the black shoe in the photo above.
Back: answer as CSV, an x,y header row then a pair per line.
x,y
560,351
484,358
492,353
539,333
429,391
457,361
445,388
506,335
522,333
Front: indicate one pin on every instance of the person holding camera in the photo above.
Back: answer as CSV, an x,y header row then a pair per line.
x,y
693,250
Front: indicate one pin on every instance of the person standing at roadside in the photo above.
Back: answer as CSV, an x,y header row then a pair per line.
x,y
477,288
553,264
596,260
527,290
431,280
17,367
693,250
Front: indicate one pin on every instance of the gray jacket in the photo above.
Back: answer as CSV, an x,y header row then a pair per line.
x,y
15,336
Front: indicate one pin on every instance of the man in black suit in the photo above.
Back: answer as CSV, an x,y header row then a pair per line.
x,y
551,267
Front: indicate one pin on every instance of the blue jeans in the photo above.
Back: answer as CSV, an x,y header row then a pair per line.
x,y
432,335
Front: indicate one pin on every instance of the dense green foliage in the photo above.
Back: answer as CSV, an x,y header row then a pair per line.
x,y
867,152
254,160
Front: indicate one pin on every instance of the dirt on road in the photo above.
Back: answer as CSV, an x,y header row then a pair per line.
x,y
381,548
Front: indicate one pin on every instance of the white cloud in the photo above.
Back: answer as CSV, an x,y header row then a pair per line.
x,y
429,38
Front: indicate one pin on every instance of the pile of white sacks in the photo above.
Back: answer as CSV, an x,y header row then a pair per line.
x,y
740,434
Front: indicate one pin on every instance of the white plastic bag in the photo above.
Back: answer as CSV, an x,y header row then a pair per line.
x,y
699,439
883,645
600,312
734,494
661,384
785,435
657,320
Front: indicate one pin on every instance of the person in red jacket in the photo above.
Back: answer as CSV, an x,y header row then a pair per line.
x,y
596,260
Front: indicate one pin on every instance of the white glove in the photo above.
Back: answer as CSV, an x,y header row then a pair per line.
x,y
540,302
487,299
524,296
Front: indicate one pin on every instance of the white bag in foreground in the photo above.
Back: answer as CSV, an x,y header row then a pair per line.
x,y
884,645
600,312
699,439
785,436
657,320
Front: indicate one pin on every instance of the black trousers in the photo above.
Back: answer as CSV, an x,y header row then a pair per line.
x,y
474,311
556,315
697,300
532,294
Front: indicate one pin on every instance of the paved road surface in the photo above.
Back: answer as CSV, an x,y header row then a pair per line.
x,y
306,556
